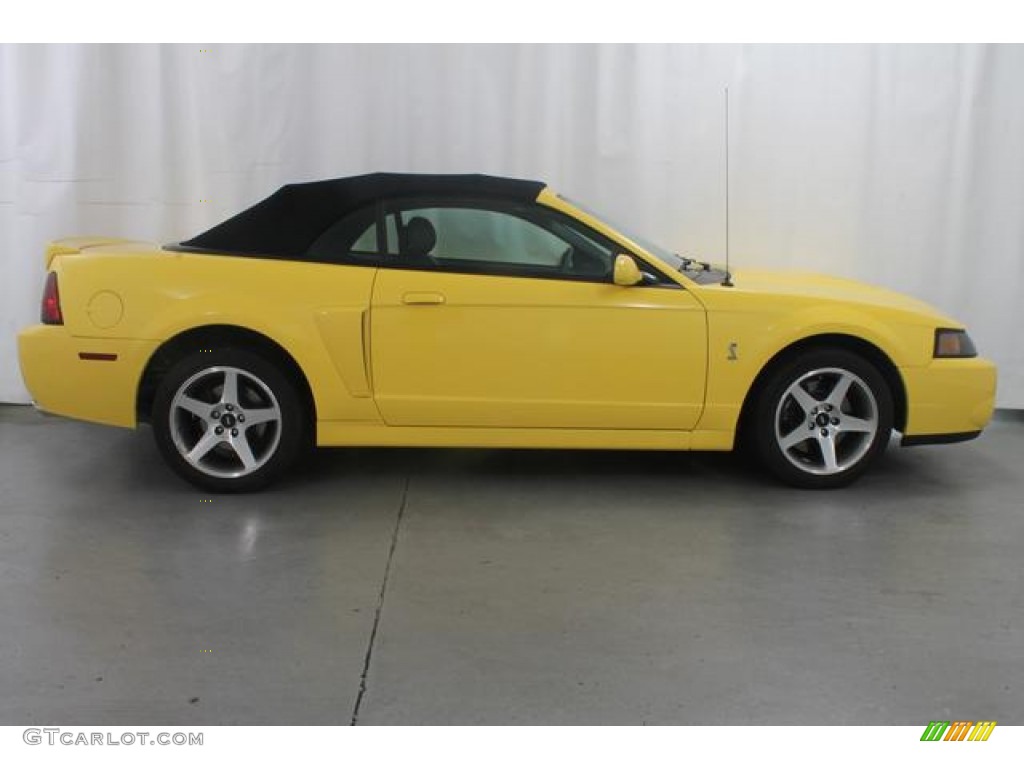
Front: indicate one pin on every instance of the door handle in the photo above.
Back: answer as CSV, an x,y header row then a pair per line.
x,y
423,297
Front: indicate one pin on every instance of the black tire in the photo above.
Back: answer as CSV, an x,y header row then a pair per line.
x,y
226,443
821,418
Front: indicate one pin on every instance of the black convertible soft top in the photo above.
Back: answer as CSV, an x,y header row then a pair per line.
x,y
288,222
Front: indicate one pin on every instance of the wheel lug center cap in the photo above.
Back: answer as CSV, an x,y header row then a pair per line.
x,y
822,419
228,420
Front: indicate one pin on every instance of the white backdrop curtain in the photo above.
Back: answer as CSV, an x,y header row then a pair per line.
x,y
900,165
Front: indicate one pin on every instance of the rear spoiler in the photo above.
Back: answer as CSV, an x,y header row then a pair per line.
x,y
77,245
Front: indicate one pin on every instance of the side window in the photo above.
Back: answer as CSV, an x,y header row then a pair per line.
x,y
391,233
366,242
355,234
470,234
518,241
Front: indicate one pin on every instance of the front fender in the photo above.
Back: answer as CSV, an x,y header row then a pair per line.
x,y
741,343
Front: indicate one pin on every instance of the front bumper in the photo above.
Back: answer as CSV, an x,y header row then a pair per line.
x,y
958,437
949,400
102,389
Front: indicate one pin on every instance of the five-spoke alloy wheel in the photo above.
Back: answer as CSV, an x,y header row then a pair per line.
x,y
227,420
822,418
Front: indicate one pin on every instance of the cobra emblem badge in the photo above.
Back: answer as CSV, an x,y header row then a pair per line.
x,y
733,351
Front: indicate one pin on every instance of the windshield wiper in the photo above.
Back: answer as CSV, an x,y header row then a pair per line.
x,y
693,265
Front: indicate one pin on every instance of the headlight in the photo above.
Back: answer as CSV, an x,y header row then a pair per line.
x,y
953,342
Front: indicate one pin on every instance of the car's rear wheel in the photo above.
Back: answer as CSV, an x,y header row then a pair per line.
x,y
228,420
822,418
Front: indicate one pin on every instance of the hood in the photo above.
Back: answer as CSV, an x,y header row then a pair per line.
x,y
816,286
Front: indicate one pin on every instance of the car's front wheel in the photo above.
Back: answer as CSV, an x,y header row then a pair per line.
x,y
228,420
822,418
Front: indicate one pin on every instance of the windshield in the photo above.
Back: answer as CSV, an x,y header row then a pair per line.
x,y
674,260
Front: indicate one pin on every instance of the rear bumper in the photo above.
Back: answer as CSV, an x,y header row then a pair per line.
x,y
101,387
949,400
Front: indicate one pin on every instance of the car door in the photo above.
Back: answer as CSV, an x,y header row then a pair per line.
x,y
491,315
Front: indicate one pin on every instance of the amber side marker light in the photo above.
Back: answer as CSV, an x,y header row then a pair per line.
x,y
50,313
954,342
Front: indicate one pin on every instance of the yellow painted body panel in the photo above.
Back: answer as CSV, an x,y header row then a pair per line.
x,y
524,352
749,326
420,357
313,311
93,390
950,396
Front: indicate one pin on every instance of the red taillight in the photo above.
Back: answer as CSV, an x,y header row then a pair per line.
x,y
51,302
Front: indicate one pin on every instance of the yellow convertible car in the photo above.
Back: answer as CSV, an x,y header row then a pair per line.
x,y
417,310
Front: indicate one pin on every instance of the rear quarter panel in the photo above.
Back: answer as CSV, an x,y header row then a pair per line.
x,y
314,311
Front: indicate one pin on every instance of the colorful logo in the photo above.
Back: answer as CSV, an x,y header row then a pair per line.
x,y
958,730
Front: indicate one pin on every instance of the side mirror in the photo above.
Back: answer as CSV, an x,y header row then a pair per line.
x,y
626,271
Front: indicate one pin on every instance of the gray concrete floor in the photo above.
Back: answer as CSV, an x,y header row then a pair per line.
x,y
506,587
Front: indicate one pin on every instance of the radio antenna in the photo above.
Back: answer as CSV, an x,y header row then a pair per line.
x,y
727,280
